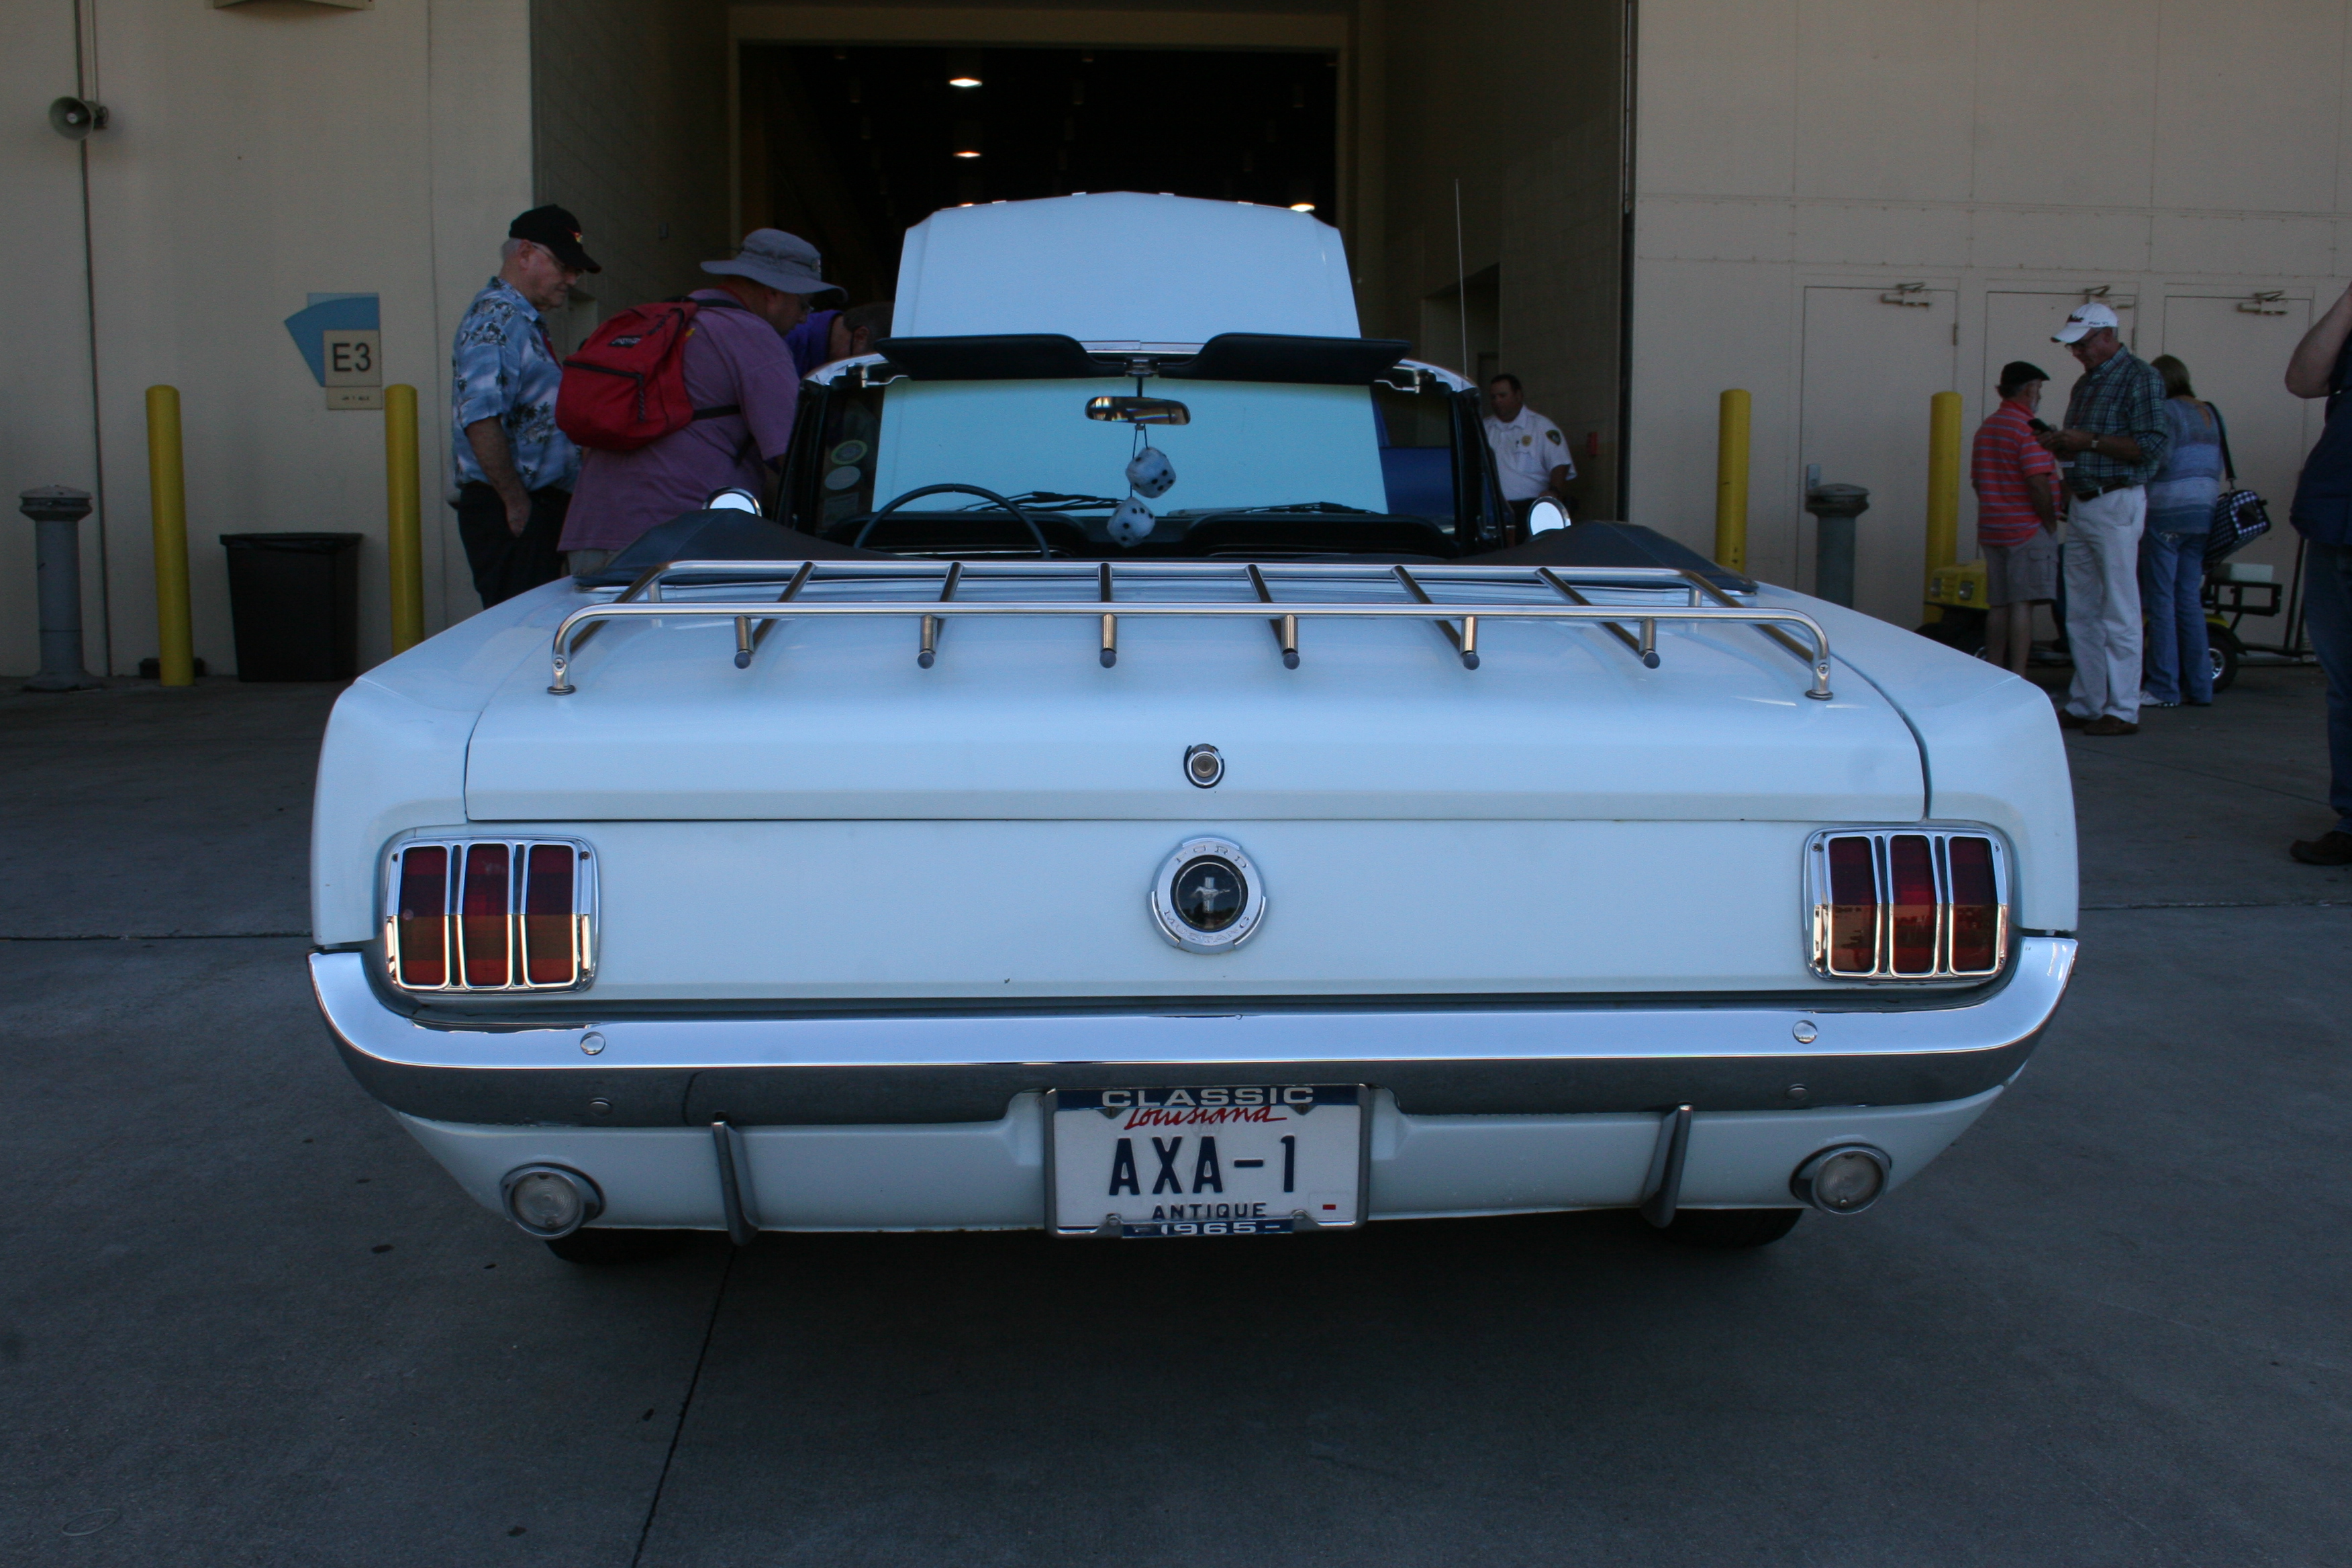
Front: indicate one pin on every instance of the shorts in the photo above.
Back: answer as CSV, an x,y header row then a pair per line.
x,y
2021,573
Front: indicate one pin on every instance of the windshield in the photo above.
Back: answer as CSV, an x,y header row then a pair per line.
x,y
1260,467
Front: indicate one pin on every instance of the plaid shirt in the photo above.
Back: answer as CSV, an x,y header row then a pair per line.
x,y
2124,396
504,368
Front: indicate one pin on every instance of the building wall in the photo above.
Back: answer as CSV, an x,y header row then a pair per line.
x,y
1842,205
46,437
630,113
1800,162
257,153
264,152
1520,100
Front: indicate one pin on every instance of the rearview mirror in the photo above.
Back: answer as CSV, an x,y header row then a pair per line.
x,y
1138,410
1545,515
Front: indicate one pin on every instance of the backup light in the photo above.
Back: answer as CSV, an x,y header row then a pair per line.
x,y
491,915
1846,1179
549,1201
1907,905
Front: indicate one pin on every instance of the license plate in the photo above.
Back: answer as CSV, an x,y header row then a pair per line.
x,y
1239,1160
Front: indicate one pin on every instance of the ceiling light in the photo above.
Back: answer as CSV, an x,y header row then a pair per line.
x,y
969,154
963,68
966,142
1302,206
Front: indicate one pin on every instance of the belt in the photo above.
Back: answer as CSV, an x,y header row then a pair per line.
x,y
2094,492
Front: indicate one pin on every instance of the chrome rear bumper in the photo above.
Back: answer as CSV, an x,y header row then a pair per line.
x,y
1886,1047
991,1176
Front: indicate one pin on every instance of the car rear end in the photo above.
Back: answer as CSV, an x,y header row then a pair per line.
x,y
834,940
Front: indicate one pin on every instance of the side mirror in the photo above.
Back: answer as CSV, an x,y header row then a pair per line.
x,y
1138,410
1545,515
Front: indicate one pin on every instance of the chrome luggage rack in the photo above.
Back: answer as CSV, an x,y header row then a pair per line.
x,y
1633,626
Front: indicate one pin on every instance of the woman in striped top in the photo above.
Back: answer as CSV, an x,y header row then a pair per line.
x,y
2172,550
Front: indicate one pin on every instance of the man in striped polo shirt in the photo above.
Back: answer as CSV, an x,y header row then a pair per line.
x,y
2017,516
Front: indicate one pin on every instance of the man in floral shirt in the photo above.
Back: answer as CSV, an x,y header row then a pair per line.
x,y
514,469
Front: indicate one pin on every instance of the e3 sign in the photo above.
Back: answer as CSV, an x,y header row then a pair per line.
x,y
353,359
341,341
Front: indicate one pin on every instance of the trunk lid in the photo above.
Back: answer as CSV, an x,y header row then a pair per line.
x,y
1018,720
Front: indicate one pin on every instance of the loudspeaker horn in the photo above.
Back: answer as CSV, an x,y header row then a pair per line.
x,y
75,118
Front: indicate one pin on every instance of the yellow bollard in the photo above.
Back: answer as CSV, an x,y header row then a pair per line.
x,y
404,537
1943,490
167,491
1731,481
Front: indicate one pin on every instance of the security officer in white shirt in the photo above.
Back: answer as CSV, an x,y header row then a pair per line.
x,y
1531,456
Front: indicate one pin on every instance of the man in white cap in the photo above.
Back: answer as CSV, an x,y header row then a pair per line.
x,y
737,361
2117,435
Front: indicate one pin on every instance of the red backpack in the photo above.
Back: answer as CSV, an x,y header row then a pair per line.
x,y
627,386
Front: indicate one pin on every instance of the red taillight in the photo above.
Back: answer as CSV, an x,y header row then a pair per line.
x,y
1911,871
548,932
422,920
491,915
1910,905
482,926
1976,907
1854,908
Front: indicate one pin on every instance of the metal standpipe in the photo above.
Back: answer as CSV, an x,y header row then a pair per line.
x,y
56,512
1834,507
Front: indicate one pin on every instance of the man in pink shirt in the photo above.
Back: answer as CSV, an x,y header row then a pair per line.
x,y
735,360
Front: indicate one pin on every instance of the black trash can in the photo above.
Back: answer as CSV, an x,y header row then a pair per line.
x,y
294,599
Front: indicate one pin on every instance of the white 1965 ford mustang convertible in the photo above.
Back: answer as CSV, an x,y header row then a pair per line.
x,y
1141,787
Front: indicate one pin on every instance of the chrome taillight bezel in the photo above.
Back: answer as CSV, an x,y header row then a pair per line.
x,y
1945,970
519,951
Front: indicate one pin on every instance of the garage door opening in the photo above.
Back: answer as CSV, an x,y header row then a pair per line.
x,y
849,146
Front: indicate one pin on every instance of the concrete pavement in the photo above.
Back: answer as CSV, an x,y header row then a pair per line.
x,y
243,1319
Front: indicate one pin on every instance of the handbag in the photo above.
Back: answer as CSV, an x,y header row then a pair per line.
x,y
2238,516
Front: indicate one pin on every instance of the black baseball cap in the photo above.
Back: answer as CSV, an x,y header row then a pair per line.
x,y
559,231
2018,372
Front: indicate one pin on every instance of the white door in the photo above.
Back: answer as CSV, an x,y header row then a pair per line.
x,y
1873,358
2236,349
